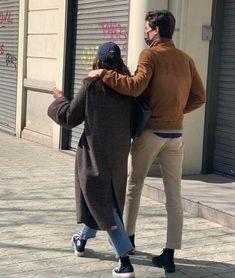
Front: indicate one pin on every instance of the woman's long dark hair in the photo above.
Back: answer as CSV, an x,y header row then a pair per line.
x,y
109,64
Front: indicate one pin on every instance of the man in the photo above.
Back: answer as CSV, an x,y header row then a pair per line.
x,y
174,88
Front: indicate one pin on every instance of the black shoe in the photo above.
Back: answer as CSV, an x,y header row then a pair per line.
x,y
78,245
124,270
132,239
165,260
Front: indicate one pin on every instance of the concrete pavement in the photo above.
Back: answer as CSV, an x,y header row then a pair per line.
x,y
37,219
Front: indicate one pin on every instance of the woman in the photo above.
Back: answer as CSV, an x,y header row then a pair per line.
x,y
101,158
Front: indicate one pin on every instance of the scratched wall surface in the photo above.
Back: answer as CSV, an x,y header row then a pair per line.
x,y
9,24
96,22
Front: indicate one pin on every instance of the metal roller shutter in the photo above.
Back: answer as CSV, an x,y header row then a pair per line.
x,y
96,21
224,155
9,24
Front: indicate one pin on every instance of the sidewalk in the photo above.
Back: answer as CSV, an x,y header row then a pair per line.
x,y
37,219
209,196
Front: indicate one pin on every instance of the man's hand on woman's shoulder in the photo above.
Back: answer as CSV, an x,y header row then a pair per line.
x,y
97,73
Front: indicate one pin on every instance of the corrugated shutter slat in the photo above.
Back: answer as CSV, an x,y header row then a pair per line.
x,y
224,155
9,25
97,21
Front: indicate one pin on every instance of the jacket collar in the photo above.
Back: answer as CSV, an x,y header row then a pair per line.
x,y
163,42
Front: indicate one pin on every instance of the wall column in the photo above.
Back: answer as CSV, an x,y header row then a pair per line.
x,y
195,14
42,46
136,41
21,98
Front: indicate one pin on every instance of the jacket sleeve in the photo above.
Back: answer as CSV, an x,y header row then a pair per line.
x,y
136,84
197,94
68,114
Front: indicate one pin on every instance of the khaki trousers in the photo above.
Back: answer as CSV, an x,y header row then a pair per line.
x,y
169,152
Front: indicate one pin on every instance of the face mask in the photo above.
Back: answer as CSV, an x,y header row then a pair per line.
x,y
148,41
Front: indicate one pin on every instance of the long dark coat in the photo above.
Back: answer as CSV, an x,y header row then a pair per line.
x,y
101,158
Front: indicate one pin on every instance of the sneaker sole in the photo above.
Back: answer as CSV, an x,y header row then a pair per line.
x,y
79,254
123,275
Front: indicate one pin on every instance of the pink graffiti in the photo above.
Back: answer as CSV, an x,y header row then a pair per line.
x,y
115,30
5,18
2,49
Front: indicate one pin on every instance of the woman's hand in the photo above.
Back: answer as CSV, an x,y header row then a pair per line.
x,y
57,93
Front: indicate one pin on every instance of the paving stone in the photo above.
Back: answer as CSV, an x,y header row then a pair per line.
x,y
219,268
227,275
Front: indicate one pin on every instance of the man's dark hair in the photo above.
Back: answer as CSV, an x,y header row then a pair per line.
x,y
164,20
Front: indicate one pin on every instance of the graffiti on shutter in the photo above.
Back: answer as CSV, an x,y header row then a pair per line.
x,y
5,18
115,30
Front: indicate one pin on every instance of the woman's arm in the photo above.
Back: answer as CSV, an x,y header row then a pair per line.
x,y
65,113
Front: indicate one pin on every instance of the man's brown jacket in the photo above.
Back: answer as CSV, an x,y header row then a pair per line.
x,y
171,80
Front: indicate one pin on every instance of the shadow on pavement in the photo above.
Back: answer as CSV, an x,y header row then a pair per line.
x,y
184,267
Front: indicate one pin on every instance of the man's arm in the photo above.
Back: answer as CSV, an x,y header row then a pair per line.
x,y
136,84
197,94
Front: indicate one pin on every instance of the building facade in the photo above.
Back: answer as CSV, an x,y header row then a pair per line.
x,y
58,40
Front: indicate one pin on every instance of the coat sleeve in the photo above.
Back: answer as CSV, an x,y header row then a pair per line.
x,y
68,114
197,94
136,84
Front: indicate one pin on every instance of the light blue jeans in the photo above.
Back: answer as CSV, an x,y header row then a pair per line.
x,y
118,236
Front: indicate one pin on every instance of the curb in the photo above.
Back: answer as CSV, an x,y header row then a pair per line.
x,y
197,209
